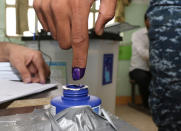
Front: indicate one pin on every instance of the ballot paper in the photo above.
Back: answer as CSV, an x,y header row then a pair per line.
x,y
10,90
8,72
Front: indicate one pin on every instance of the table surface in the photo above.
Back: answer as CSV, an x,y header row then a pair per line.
x,y
29,103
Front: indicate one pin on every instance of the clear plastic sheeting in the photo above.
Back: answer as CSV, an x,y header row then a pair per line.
x,y
80,118
39,120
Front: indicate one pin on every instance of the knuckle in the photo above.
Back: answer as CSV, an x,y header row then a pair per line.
x,y
109,16
77,40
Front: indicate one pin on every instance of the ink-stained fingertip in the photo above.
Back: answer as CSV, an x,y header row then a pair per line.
x,y
78,73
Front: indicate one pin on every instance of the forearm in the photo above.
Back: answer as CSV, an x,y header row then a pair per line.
x,y
4,51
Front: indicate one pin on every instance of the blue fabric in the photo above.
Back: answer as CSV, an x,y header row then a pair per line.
x,y
164,2
165,64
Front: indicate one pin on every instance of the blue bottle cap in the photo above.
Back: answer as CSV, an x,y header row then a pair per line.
x,y
75,95
75,92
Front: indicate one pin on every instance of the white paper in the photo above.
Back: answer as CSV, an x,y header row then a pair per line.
x,y
10,76
10,90
4,64
7,68
8,72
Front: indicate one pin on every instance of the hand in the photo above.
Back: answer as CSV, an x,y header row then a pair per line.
x,y
67,20
29,63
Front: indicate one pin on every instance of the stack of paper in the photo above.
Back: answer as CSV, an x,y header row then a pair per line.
x,y
8,72
10,90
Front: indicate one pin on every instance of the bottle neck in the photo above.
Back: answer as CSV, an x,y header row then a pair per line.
x,y
75,95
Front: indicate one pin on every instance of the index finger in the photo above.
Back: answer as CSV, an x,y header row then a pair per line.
x,y
80,37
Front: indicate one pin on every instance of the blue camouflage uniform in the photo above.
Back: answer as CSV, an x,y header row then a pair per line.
x,y
165,63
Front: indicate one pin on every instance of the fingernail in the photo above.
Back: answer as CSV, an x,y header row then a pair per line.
x,y
27,80
77,73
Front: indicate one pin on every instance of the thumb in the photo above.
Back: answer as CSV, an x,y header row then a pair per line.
x,y
106,13
24,72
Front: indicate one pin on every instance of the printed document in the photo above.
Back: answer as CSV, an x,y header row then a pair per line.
x,y
10,90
